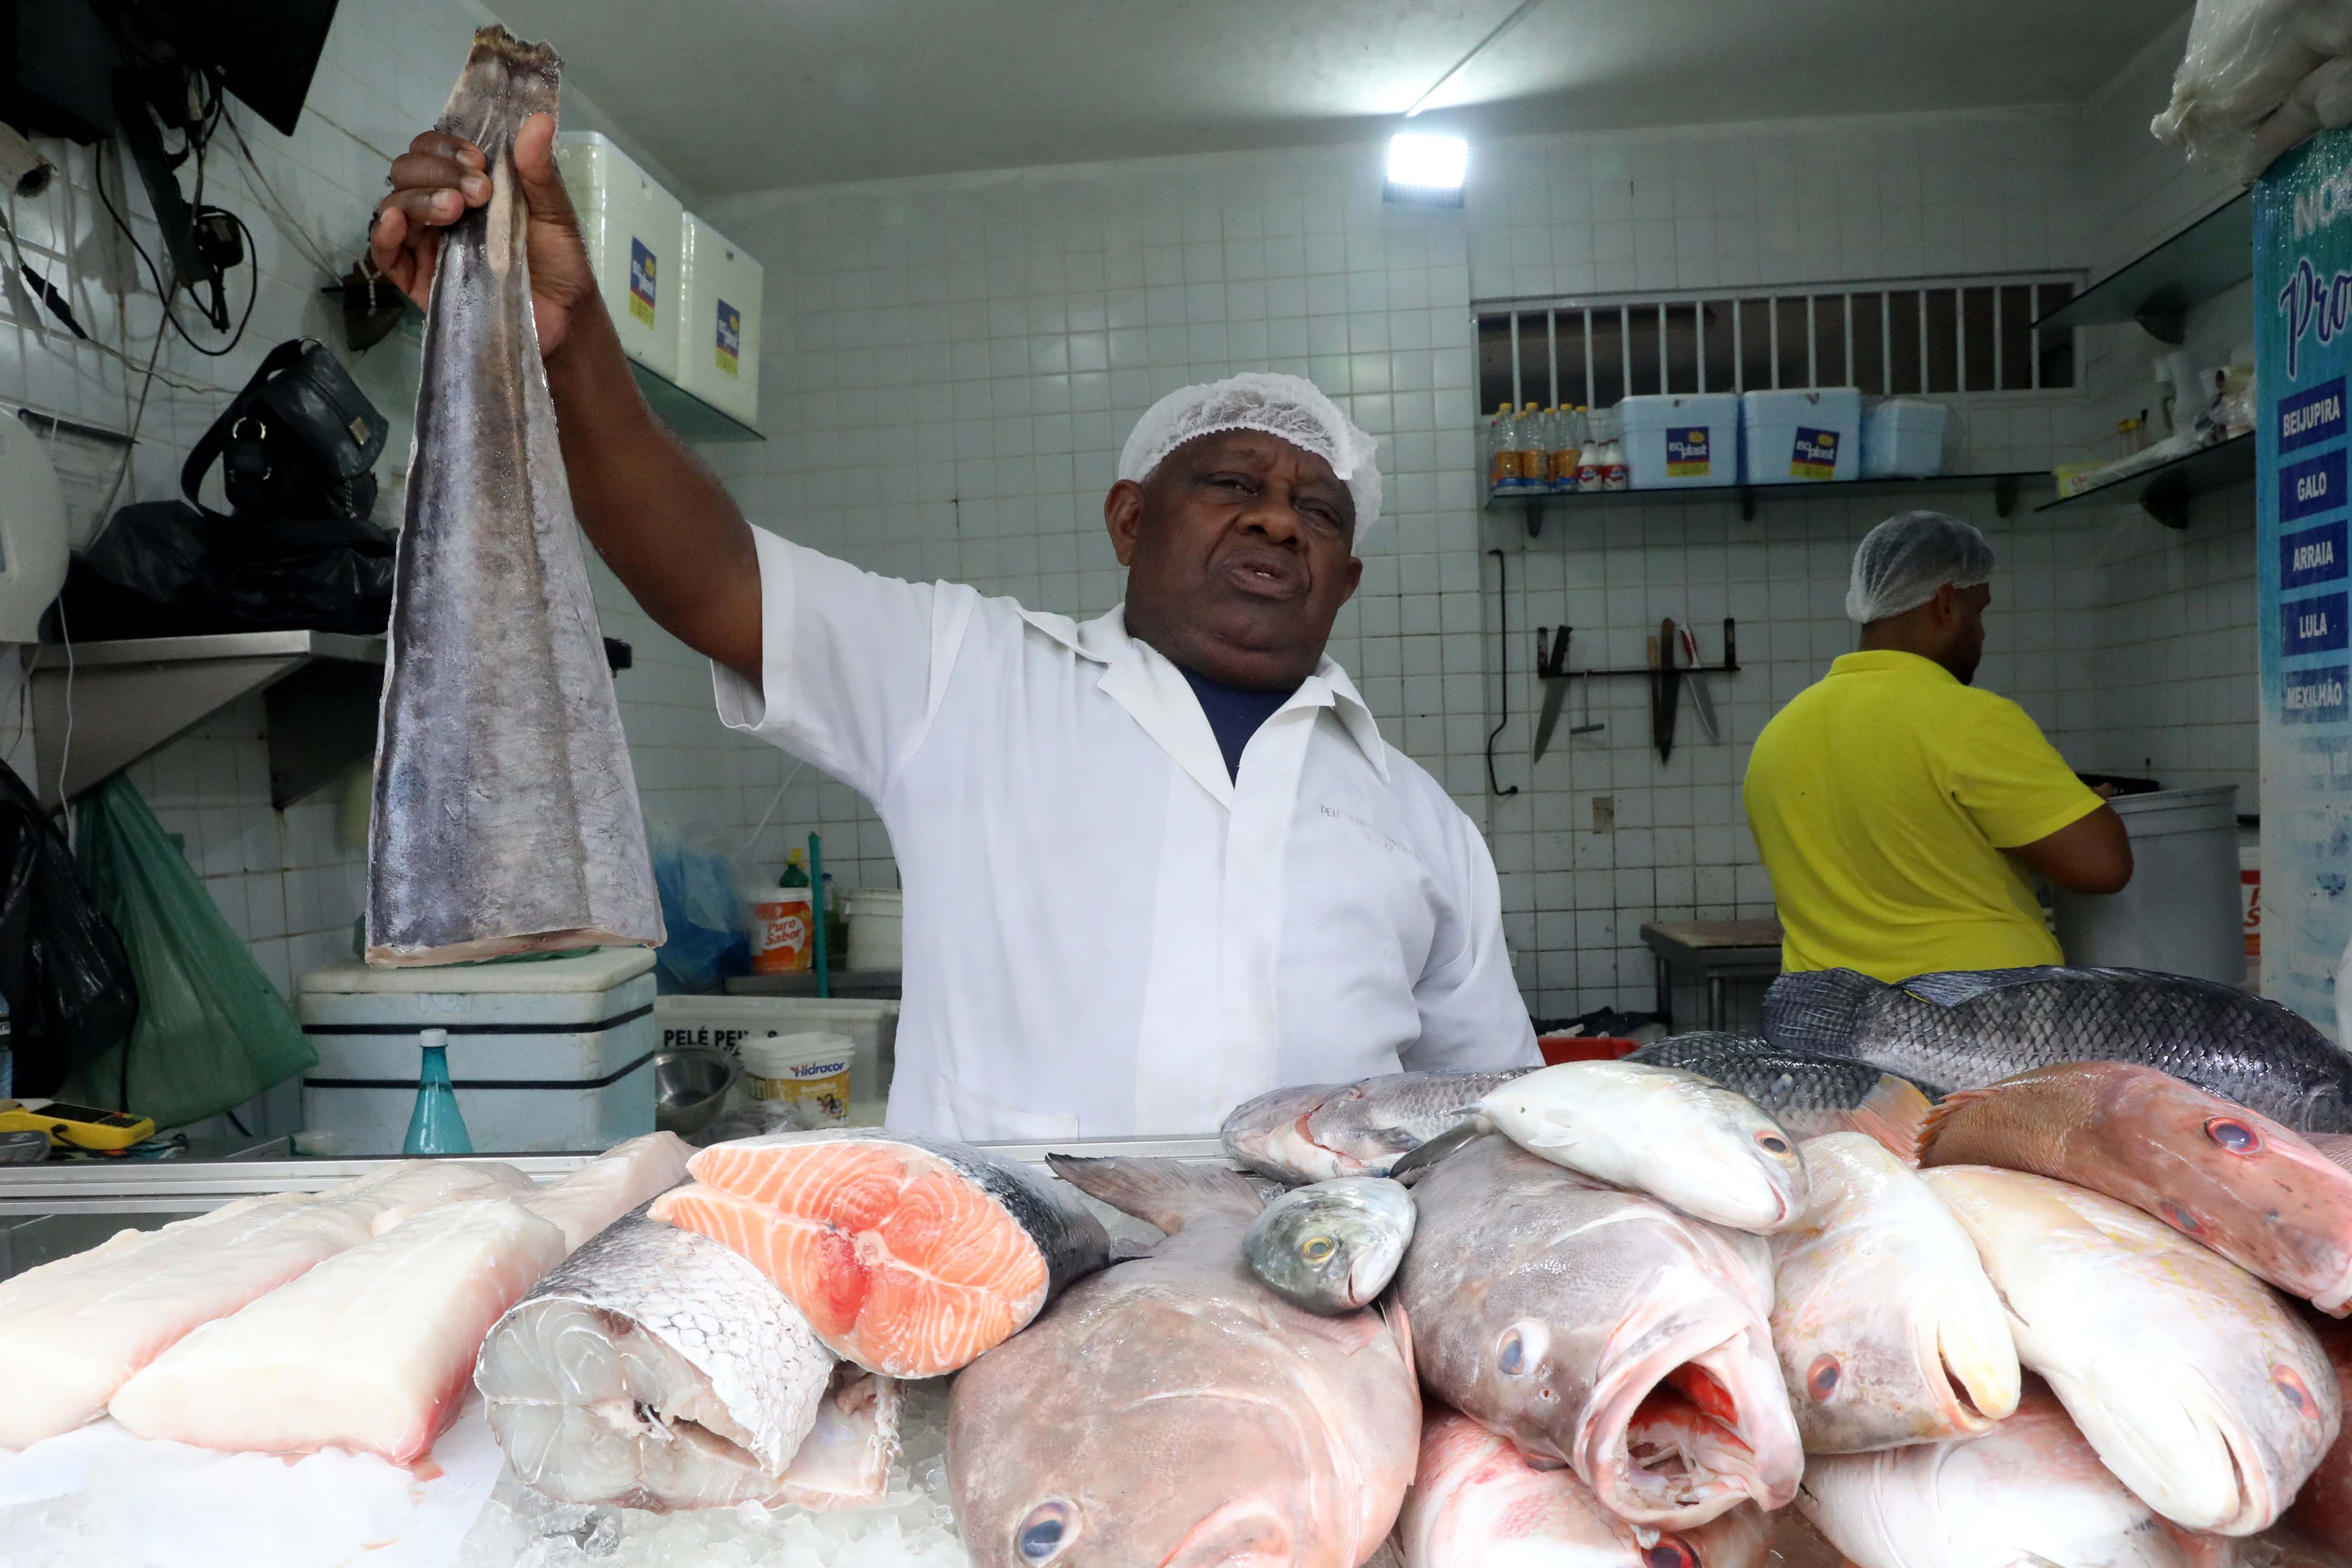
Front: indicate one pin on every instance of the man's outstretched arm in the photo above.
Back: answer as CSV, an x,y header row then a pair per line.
x,y
658,517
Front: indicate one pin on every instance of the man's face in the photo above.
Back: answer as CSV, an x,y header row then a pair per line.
x,y
1239,551
1968,632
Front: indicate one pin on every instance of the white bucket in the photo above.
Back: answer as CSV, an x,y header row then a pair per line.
x,y
811,1071
877,928
2181,913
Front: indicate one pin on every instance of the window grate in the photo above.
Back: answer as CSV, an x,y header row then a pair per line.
x,y
1942,336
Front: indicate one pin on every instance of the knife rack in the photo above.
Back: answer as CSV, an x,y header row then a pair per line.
x,y
1551,656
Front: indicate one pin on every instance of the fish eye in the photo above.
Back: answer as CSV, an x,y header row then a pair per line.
x,y
2291,1389
1316,1248
1670,1552
1772,1142
2233,1135
1049,1526
1521,1347
1822,1377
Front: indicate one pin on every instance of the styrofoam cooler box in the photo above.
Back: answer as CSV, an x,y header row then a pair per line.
x,y
1903,438
1799,437
723,1023
550,1056
718,320
1674,443
631,226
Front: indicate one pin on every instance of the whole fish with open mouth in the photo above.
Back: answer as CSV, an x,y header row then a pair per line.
x,y
506,815
657,1369
1809,1095
2232,1178
1170,1410
1971,1028
1333,1246
1315,1132
2027,1492
2196,1385
1476,1503
1600,1329
1887,1328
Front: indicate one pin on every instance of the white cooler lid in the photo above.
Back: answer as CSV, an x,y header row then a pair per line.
x,y
598,970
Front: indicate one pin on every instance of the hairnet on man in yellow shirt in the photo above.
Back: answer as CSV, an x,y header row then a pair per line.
x,y
1897,808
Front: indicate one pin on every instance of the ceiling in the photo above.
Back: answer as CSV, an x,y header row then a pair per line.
x,y
739,95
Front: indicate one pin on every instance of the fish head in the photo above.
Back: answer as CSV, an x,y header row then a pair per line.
x,y
2232,1178
1270,1134
1333,1246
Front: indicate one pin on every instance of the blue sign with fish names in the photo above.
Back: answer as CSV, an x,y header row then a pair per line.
x,y
2310,487
2313,555
2313,626
1686,453
2314,696
2310,418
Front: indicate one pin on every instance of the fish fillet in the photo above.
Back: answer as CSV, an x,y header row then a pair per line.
x,y
73,1332
506,815
908,1255
612,1183
369,1351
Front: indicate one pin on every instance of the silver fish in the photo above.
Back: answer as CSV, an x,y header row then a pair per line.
x,y
657,1369
1967,1029
506,813
1170,1410
1331,1248
1809,1095
1602,1330
1314,1131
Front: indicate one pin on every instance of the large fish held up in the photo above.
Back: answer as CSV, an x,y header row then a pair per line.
x,y
1171,1410
1604,1330
505,815
1973,1027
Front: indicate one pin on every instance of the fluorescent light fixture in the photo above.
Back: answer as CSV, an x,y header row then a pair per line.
x,y
1427,169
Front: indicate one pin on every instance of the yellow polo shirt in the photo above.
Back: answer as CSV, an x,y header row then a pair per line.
x,y
1881,798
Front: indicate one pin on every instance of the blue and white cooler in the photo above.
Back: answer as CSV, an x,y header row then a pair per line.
x,y
1687,442
548,1056
1796,437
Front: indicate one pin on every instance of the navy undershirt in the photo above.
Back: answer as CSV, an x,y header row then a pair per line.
x,y
1233,715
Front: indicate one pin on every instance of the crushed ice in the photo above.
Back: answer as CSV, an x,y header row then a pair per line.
x,y
911,1527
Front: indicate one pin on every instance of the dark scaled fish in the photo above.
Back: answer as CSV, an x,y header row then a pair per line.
x,y
1971,1028
1810,1095
1317,1132
506,815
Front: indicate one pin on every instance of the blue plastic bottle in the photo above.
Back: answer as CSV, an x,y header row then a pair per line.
x,y
434,1127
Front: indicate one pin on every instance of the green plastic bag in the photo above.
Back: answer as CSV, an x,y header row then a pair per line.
x,y
212,1031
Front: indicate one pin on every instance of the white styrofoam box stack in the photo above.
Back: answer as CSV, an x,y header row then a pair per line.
x,y
631,227
1799,437
547,1056
1675,442
1903,438
724,1022
718,320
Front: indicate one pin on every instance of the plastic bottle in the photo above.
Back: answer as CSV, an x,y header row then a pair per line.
x,y
1559,473
1503,469
1531,441
1613,474
782,923
1591,469
435,1126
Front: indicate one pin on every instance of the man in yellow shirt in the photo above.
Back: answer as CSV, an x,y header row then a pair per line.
x,y
1898,808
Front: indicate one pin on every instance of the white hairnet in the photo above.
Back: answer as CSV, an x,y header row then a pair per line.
x,y
1290,407
1900,563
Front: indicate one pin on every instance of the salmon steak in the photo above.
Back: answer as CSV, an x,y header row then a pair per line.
x,y
909,1255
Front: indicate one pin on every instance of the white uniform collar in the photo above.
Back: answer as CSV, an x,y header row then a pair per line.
x,y
1149,686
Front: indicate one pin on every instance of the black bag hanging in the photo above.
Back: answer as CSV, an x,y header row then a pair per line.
x,y
63,968
297,446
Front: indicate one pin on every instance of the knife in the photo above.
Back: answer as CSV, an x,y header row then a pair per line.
x,y
1552,668
1666,688
1701,698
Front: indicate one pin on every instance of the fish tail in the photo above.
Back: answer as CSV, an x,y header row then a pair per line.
x,y
1817,1010
505,82
1157,1191
1899,1115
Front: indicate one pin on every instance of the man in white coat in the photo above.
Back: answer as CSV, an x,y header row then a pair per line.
x,y
1155,863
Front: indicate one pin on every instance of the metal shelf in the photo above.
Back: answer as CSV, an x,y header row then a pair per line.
x,y
2004,486
2159,289
2164,491
131,696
